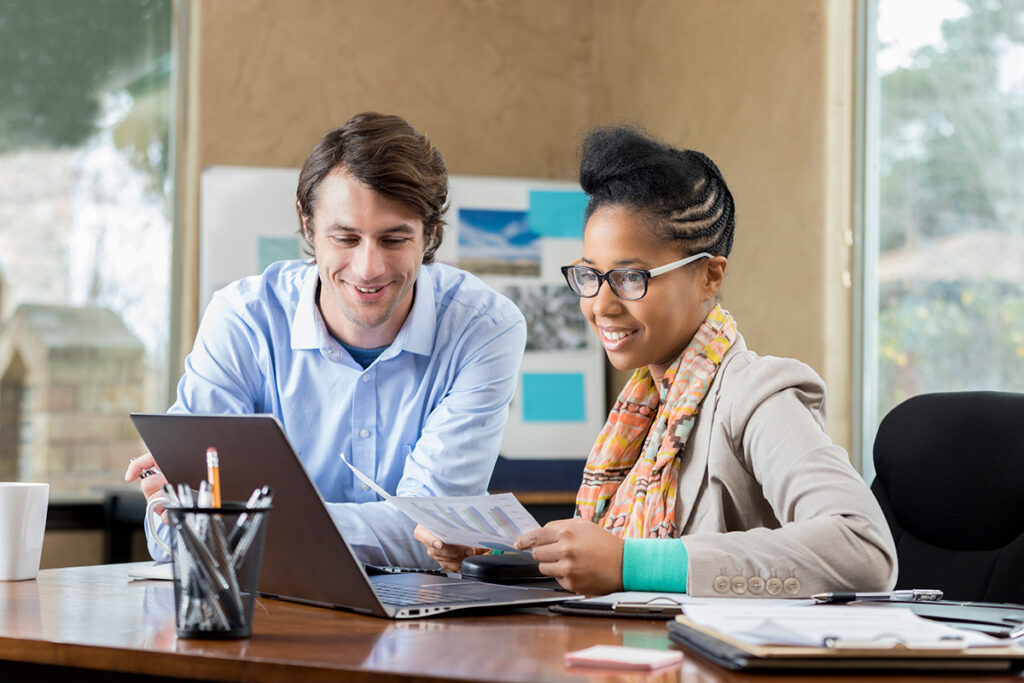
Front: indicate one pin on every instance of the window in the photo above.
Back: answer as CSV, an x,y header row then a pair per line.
x,y
85,234
949,263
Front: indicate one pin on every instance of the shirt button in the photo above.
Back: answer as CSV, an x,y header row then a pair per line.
x,y
364,433
755,585
722,584
773,585
739,585
791,585
364,487
366,378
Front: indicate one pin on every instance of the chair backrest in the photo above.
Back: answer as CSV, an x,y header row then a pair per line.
x,y
950,480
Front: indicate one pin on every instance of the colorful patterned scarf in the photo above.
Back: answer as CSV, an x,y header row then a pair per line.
x,y
629,482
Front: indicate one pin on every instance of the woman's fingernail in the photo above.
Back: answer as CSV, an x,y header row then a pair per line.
x,y
438,544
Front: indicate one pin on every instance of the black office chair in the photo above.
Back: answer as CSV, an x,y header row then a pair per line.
x,y
950,480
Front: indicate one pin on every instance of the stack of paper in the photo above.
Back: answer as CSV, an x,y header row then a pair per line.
x,y
832,626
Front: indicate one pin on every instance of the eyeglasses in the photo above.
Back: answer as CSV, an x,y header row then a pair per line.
x,y
628,284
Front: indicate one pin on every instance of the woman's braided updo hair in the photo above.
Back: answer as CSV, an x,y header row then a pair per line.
x,y
681,191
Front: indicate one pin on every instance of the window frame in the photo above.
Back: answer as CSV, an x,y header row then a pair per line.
x,y
866,236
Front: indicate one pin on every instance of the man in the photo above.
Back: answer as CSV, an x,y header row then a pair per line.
x,y
370,349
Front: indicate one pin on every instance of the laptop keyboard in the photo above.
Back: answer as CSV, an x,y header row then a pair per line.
x,y
418,595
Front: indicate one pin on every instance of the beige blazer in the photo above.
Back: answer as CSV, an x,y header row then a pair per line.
x,y
768,506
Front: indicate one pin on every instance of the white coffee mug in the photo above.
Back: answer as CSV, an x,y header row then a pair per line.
x,y
152,521
22,525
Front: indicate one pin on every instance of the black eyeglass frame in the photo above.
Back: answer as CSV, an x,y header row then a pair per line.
x,y
645,274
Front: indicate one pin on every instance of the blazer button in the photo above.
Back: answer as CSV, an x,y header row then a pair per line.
x,y
755,585
739,585
791,585
773,585
722,584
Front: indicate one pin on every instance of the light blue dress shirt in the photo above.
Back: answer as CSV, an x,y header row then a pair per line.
x,y
424,419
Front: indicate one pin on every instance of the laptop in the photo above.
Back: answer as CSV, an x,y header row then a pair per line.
x,y
306,558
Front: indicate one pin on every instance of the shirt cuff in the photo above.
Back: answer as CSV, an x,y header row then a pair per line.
x,y
654,564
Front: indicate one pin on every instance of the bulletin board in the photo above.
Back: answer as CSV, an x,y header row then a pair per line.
x,y
247,221
514,233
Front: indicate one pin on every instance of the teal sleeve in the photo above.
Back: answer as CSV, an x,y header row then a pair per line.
x,y
655,564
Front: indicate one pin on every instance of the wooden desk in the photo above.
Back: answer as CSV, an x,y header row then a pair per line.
x,y
94,622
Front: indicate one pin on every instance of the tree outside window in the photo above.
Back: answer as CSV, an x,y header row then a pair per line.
x,y
951,215
85,234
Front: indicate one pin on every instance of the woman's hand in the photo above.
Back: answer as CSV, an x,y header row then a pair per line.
x,y
582,556
447,555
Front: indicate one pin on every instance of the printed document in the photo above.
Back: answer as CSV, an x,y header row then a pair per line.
x,y
482,521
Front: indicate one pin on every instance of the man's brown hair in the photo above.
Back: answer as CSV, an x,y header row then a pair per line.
x,y
390,157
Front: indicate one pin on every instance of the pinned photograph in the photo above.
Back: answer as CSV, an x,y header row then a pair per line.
x,y
554,321
497,242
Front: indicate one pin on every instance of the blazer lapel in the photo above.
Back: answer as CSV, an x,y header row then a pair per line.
x,y
694,472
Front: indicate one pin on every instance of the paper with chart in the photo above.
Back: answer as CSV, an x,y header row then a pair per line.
x,y
482,521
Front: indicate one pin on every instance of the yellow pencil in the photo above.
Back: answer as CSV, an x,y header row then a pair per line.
x,y
213,474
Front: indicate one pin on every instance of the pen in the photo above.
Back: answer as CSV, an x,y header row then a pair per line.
x,y
223,558
239,528
144,473
659,604
916,594
169,494
252,526
205,496
213,474
215,583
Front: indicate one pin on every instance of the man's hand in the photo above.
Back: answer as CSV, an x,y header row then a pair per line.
x,y
447,555
151,483
582,556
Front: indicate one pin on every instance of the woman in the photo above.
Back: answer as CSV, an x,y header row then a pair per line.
x,y
713,474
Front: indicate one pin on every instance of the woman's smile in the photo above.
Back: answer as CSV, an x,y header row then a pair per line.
x,y
614,338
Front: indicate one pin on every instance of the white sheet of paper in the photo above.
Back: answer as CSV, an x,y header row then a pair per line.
x,y
158,571
812,626
482,521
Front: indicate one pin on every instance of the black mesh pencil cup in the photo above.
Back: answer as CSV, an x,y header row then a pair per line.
x,y
216,562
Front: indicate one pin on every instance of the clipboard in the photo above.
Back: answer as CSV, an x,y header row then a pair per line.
x,y
736,655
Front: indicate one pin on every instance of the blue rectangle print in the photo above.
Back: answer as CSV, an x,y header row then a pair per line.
x,y
556,213
273,249
553,397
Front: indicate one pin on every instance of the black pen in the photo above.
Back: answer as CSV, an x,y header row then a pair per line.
x,y
144,473
916,595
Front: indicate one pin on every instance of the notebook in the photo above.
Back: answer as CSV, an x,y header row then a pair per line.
x,y
306,558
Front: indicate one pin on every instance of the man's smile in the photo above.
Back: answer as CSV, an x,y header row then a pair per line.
x,y
368,293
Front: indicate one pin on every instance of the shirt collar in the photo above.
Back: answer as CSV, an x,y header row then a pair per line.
x,y
415,336
417,333
304,324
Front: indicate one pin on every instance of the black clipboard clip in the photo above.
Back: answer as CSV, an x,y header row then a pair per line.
x,y
660,604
